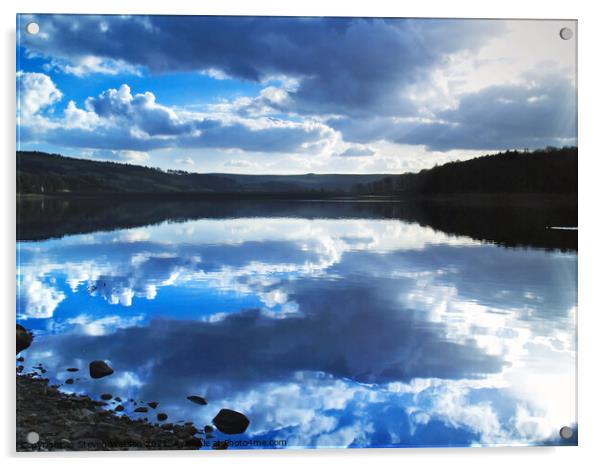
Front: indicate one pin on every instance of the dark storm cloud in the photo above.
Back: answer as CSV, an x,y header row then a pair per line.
x,y
344,65
364,71
499,117
505,117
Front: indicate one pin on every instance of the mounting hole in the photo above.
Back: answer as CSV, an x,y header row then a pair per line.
x,y
32,28
33,437
566,432
566,33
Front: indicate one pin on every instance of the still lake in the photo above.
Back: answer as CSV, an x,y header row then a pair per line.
x,y
339,325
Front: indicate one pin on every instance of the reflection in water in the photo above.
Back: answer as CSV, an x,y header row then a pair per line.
x,y
324,332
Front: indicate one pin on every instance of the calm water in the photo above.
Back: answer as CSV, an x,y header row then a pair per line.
x,y
324,331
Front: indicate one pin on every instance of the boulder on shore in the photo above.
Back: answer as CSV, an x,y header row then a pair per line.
x,y
100,369
231,422
24,338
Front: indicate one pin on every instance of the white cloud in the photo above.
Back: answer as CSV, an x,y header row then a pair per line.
x,y
185,161
36,91
236,163
134,156
78,118
91,64
40,299
215,74
129,125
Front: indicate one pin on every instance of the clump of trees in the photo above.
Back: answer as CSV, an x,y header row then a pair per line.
x,y
550,170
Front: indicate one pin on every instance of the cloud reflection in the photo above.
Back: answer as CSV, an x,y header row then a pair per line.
x,y
355,332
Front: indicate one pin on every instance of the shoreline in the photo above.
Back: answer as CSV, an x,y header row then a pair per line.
x,y
493,197
48,419
504,219
67,422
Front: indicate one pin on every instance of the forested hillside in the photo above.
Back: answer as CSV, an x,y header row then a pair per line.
x,y
549,171
39,172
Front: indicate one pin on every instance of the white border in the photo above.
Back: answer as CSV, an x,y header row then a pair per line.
x,y
590,173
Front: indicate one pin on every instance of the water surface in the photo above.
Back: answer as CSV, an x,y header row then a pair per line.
x,y
351,330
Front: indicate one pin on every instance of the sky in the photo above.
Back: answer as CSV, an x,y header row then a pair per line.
x,y
271,95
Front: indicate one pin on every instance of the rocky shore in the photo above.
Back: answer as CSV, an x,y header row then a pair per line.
x,y
51,420
48,420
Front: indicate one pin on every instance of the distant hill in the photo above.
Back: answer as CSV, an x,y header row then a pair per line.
x,y
549,171
39,172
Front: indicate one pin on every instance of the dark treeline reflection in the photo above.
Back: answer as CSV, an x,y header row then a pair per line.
x,y
516,221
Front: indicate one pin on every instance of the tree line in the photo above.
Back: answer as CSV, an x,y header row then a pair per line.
x,y
550,170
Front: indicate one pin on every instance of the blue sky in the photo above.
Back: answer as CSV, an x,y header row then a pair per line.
x,y
292,95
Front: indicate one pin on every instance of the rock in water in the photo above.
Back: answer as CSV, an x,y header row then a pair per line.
x,y
153,404
161,417
72,369
119,408
69,381
142,409
199,400
99,369
231,422
106,396
24,338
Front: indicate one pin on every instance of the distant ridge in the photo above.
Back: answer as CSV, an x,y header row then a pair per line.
x,y
548,171
43,173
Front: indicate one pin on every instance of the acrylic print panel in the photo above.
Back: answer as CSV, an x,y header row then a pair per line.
x,y
270,233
